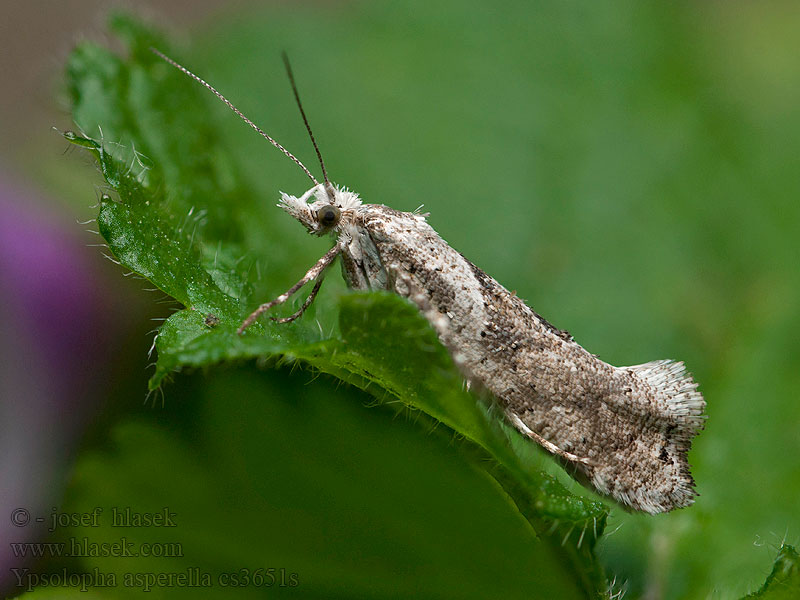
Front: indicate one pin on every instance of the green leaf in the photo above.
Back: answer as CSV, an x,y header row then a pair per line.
x,y
636,181
784,580
182,216
270,470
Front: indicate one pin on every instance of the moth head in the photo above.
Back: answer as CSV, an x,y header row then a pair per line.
x,y
322,209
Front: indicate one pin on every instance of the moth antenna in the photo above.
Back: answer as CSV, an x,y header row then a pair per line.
x,y
328,186
238,112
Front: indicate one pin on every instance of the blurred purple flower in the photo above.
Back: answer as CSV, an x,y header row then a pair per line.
x,y
53,337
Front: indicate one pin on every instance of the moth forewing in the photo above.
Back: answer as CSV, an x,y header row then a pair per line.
x,y
626,431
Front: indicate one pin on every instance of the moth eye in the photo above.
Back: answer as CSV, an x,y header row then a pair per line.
x,y
329,215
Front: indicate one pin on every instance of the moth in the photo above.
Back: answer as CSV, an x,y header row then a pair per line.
x,y
625,431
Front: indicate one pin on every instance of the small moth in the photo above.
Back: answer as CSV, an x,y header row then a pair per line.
x,y
626,431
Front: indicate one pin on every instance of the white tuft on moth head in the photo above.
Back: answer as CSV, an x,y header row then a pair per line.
x,y
308,212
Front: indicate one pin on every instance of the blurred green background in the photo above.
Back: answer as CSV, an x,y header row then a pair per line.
x,y
629,168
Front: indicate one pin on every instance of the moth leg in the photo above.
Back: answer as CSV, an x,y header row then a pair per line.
x,y
546,444
303,308
314,272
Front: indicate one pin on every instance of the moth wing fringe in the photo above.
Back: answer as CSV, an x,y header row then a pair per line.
x,y
675,385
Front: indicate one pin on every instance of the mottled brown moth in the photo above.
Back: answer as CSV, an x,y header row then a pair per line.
x,y
626,431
